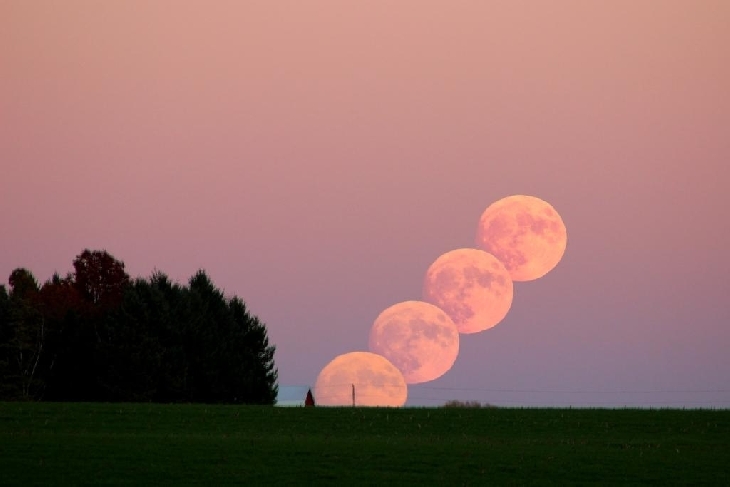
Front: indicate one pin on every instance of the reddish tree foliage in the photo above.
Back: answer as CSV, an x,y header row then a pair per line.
x,y
59,296
100,278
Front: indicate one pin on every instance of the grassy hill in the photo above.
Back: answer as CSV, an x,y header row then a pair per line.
x,y
105,444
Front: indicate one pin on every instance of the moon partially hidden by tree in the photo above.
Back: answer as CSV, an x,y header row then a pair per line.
x,y
525,233
471,286
377,381
418,338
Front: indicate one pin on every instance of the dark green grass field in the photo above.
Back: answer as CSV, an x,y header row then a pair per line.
x,y
133,444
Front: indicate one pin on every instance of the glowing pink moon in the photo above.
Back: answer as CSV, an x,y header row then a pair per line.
x,y
471,286
377,382
525,233
418,338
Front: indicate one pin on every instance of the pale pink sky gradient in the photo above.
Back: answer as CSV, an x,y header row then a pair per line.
x,y
316,157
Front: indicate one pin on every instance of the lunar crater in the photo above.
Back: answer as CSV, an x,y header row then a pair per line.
x,y
525,233
472,286
419,338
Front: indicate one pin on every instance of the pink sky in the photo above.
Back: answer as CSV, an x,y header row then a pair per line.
x,y
315,158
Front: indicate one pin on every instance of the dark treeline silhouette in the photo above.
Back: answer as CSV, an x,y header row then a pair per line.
x,y
97,335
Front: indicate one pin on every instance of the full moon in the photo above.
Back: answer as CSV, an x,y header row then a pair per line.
x,y
377,382
418,338
525,233
471,286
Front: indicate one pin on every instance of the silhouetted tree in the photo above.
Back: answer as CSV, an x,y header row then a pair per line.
x,y
82,363
24,338
99,277
23,284
171,311
229,356
62,308
256,356
128,349
97,336
7,389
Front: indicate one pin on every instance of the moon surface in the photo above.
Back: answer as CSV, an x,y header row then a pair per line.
x,y
418,338
525,233
377,382
471,286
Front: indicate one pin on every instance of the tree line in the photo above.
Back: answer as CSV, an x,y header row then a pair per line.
x,y
98,335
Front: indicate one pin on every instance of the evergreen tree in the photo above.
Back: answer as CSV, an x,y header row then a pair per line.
x,y
95,335
256,366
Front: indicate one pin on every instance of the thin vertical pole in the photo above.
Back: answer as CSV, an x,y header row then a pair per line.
x,y
353,395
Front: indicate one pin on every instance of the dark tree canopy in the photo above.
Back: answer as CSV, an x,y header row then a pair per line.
x,y
97,335
23,284
99,277
22,337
